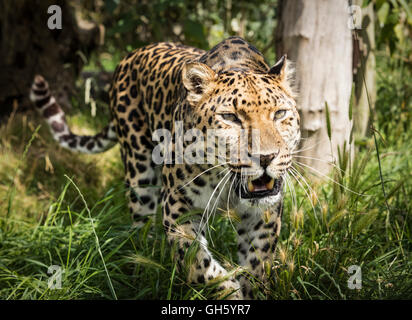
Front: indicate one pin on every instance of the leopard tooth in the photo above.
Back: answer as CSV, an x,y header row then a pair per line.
x,y
250,185
270,184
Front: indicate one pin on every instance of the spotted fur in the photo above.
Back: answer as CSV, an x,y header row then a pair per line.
x,y
229,87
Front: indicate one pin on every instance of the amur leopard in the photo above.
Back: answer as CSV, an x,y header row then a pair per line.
x,y
180,89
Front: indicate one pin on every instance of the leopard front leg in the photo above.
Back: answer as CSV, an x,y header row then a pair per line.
x,y
258,234
184,234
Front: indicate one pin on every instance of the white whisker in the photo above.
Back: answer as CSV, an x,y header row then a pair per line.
x,y
325,176
292,192
308,148
322,160
304,189
306,183
206,210
228,199
203,172
214,207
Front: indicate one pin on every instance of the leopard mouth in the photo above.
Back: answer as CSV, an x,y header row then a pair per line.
x,y
262,187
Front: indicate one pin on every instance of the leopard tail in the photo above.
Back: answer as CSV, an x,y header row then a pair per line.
x,y
52,112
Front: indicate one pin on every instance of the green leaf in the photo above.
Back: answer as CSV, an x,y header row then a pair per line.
x,y
383,13
379,3
399,33
328,121
351,135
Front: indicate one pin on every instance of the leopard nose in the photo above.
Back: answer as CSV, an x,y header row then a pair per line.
x,y
266,159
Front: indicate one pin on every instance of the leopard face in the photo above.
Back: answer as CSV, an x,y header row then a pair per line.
x,y
256,107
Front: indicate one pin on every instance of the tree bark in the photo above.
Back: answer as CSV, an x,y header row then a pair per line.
x,y
315,35
28,47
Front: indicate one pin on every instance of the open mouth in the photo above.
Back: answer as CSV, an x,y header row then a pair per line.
x,y
261,187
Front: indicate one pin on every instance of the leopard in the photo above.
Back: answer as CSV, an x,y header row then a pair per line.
x,y
177,88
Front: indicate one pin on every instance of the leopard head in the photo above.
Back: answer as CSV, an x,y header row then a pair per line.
x,y
256,113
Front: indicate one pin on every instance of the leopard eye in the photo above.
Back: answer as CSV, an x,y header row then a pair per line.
x,y
231,117
280,114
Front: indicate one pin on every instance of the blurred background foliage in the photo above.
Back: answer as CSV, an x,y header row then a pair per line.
x,y
393,27
201,23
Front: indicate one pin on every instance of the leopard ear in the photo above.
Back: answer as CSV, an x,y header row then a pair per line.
x,y
285,71
198,79
279,68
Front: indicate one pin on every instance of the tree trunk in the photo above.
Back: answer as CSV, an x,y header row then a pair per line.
x,y
315,35
28,47
364,66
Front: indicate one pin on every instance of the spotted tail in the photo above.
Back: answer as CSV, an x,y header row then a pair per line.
x,y
48,107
